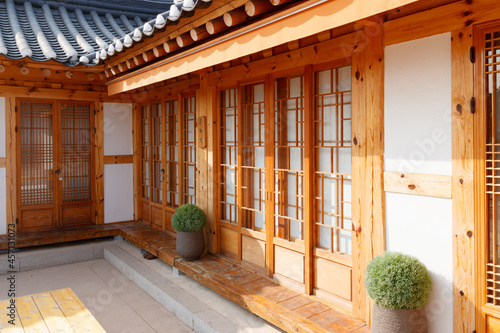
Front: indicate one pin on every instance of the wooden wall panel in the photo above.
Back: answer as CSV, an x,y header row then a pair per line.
x,y
229,241
462,184
253,251
289,264
418,184
332,277
99,163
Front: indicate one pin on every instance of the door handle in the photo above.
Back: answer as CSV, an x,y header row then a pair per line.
x,y
59,172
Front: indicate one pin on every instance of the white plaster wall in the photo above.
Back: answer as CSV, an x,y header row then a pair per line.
x,y
3,187
118,193
118,178
117,124
418,106
418,140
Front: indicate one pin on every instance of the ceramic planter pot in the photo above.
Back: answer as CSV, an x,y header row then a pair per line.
x,y
385,320
190,245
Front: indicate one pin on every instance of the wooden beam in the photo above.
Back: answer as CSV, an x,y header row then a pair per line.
x,y
418,184
170,46
118,159
99,163
235,17
258,36
462,184
439,20
198,33
184,40
11,159
215,26
257,7
11,91
279,2
3,162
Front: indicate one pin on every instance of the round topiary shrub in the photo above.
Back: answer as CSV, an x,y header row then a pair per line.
x,y
188,218
398,281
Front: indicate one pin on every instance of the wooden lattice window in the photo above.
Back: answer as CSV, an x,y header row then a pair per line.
x,y
156,153
189,150
289,157
37,153
76,152
228,129
145,140
172,152
332,150
252,151
492,172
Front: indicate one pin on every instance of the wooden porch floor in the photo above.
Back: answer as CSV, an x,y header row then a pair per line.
x,y
283,307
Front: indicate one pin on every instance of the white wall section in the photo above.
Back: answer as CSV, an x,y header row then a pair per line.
x,y
118,193
117,124
118,178
418,140
418,106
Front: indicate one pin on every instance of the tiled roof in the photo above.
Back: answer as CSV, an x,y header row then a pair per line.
x,y
82,31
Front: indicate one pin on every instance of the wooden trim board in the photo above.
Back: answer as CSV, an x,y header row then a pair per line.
x,y
118,159
418,184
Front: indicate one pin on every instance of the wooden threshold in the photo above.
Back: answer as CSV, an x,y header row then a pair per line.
x,y
283,307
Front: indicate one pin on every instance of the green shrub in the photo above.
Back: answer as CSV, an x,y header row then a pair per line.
x,y
189,218
398,281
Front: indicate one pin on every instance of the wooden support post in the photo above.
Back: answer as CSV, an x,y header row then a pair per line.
x,y
11,159
215,26
198,33
367,162
257,7
270,165
462,183
99,163
235,17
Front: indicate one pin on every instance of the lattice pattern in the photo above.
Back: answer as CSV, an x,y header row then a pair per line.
x,y
76,145
189,146
172,153
289,157
253,156
229,155
492,73
37,153
332,149
145,155
156,154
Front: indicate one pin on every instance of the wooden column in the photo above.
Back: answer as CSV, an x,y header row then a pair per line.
x,y
367,162
137,166
203,111
99,163
462,183
10,163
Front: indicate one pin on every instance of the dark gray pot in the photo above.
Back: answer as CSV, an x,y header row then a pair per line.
x,y
190,245
385,320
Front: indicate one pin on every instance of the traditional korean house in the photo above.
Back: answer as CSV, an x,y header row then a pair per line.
x,y
315,135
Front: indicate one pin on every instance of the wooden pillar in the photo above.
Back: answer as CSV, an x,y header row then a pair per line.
x,y
11,159
462,186
204,154
367,161
137,165
99,163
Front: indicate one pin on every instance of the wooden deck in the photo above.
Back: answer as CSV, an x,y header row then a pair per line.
x,y
285,308
53,311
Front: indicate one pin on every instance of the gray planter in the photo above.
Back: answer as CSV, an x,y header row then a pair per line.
x,y
385,320
190,245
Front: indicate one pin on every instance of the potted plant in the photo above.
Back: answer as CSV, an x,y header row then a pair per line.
x,y
189,221
400,286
